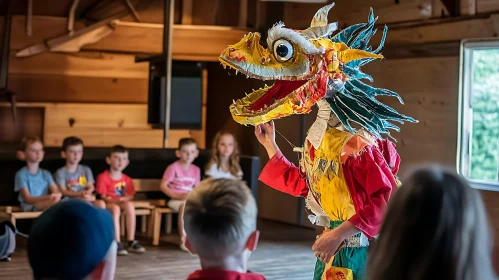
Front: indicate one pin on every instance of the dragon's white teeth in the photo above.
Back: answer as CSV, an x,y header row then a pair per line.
x,y
237,72
246,94
234,101
266,86
265,106
247,76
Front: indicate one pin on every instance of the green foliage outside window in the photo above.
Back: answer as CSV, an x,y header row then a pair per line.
x,y
485,104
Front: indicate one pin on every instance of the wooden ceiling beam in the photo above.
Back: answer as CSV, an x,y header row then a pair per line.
x,y
190,42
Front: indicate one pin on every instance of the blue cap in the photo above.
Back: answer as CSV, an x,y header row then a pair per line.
x,y
69,240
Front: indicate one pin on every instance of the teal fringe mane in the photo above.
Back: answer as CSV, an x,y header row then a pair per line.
x,y
356,101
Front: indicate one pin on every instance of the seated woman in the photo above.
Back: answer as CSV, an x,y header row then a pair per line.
x,y
435,228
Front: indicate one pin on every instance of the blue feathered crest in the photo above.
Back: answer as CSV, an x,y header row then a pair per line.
x,y
356,101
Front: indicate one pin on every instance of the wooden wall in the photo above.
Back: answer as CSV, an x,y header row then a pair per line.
x,y
103,80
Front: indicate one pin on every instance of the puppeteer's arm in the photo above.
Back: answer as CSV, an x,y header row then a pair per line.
x,y
279,173
369,176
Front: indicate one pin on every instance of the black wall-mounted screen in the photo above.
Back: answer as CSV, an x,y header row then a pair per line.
x,y
186,94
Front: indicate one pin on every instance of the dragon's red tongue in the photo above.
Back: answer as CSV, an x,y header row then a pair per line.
x,y
279,90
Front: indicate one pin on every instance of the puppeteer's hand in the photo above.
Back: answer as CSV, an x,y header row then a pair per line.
x,y
265,133
327,245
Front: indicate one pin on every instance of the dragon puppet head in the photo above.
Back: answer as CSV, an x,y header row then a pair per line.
x,y
309,65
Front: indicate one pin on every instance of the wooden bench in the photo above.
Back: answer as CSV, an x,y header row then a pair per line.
x,y
14,213
153,209
150,211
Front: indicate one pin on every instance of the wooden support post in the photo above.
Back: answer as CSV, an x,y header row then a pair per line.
x,y
143,224
29,18
132,10
243,13
71,16
467,7
186,12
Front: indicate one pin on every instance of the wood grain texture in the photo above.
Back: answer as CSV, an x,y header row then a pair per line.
x,y
485,6
429,88
444,31
39,87
82,64
131,37
299,15
29,122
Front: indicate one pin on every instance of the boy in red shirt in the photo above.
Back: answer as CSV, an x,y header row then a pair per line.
x,y
116,189
220,223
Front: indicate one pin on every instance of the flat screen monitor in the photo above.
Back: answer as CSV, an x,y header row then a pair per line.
x,y
186,101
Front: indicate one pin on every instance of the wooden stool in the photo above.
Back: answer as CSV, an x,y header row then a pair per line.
x,y
157,214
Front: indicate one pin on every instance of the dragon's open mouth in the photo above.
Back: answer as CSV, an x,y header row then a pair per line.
x,y
275,100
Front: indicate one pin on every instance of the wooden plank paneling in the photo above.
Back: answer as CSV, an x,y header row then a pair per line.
x,y
134,37
82,64
429,87
487,6
467,7
29,122
299,15
445,31
101,125
125,116
60,88
106,137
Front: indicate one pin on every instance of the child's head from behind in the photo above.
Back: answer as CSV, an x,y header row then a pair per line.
x,y
187,150
220,220
72,149
435,227
31,149
118,158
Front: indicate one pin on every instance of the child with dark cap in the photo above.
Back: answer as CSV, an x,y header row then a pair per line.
x,y
73,240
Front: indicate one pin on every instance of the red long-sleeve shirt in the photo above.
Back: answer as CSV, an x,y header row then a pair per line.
x,y
369,177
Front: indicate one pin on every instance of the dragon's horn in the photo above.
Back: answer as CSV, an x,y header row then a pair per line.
x,y
319,26
320,18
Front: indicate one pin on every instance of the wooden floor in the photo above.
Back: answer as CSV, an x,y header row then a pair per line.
x,y
283,253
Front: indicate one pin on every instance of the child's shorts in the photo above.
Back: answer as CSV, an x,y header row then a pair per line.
x,y
28,208
175,204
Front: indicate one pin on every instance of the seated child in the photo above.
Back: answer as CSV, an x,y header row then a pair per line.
x,y
36,187
74,179
62,245
180,178
224,161
117,190
220,222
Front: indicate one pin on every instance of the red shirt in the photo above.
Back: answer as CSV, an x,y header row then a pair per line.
x,y
114,188
218,274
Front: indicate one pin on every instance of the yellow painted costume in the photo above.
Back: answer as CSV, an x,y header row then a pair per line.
x,y
347,171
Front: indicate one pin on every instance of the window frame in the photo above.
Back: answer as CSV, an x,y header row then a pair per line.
x,y
465,112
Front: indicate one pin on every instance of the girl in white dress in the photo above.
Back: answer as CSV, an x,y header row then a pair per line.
x,y
224,162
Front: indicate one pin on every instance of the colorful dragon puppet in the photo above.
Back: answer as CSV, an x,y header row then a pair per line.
x,y
347,171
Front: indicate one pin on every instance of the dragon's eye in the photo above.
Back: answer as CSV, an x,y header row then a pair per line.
x,y
283,50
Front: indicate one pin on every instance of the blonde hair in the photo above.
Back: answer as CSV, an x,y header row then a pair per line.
x,y
435,228
28,140
219,217
234,167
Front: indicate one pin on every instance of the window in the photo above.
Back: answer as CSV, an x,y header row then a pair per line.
x,y
478,141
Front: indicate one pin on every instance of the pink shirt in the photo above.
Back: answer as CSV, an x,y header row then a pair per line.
x,y
182,180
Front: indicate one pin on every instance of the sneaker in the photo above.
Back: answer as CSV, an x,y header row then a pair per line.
x,y
121,250
135,247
